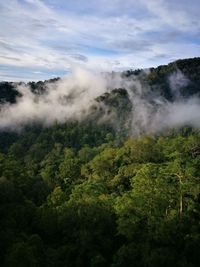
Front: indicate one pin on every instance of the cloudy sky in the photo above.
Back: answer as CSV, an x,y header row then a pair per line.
x,y
41,39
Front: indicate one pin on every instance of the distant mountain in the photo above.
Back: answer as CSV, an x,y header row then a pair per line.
x,y
143,101
157,78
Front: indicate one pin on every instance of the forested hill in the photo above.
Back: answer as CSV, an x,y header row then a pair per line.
x,y
118,185
157,78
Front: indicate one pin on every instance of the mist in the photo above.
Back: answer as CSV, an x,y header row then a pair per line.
x,y
72,97
67,98
152,113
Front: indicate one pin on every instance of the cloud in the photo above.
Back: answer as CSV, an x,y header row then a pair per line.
x,y
79,57
73,96
185,112
68,98
177,81
52,35
174,14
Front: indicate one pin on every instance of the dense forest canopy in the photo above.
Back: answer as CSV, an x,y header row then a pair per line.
x,y
104,189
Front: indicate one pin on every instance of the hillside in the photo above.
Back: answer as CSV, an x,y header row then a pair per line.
x,y
157,78
104,179
127,101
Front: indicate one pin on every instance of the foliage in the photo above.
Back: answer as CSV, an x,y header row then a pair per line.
x,y
69,204
78,194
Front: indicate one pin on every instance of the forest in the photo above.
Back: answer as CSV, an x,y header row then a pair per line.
x,y
90,193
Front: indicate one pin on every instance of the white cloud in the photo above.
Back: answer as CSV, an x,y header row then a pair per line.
x,y
176,14
38,34
72,98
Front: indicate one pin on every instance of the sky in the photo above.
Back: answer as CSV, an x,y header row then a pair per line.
x,y
43,39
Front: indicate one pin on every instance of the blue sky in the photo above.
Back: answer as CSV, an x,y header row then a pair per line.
x,y
45,39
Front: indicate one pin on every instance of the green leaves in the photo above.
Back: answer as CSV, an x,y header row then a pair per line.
x,y
134,204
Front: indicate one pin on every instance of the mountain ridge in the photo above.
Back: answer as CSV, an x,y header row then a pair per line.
x,y
155,74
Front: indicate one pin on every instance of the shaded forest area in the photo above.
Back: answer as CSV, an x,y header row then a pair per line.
x,y
81,194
